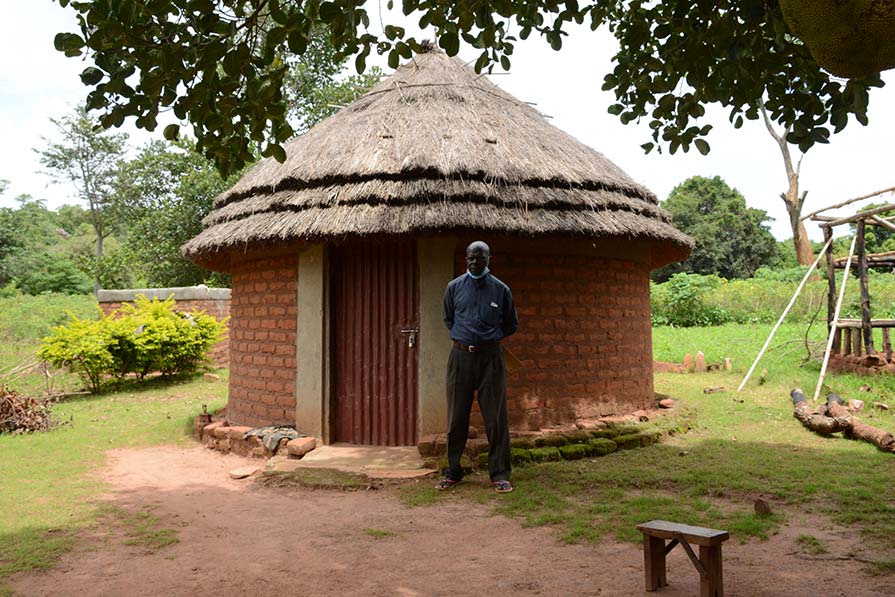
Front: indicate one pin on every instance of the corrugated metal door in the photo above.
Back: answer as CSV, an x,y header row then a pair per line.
x,y
374,329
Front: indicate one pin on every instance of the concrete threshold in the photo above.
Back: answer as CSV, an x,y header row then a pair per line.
x,y
377,462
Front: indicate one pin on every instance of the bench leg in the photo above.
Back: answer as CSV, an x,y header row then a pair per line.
x,y
654,562
712,584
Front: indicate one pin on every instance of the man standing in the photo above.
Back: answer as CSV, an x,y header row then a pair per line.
x,y
479,312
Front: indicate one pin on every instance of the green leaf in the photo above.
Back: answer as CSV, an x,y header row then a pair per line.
x,y
329,11
278,153
450,42
67,42
482,62
703,146
171,131
91,75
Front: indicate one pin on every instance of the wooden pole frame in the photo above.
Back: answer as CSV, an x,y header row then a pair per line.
x,y
785,312
849,201
832,332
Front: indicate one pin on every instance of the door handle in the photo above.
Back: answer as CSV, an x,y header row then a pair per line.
x,y
411,336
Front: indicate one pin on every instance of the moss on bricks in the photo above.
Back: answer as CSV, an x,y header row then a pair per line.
x,y
465,463
573,451
600,446
607,433
520,456
482,460
627,429
524,443
551,440
577,437
649,437
628,441
545,454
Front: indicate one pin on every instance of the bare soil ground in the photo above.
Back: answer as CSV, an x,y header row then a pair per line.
x,y
237,538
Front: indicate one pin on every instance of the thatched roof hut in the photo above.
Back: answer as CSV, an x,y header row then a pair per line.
x,y
435,148
439,155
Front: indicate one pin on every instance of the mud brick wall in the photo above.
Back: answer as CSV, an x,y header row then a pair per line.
x,y
585,337
263,314
218,307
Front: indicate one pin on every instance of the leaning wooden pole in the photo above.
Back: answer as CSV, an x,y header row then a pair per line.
x,y
867,331
785,311
832,331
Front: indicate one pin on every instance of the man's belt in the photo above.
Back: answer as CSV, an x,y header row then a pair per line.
x,y
480,347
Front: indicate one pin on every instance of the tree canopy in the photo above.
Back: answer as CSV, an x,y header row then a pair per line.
x,y
732,240
221,64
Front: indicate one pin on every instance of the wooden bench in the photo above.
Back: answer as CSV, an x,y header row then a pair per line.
x,y
708,564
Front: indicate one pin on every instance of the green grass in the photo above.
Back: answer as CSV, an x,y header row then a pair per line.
x,y
810,544
141,528
23,321
742,446
48,492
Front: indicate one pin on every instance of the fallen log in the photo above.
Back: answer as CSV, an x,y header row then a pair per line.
x,y
816,420
858,430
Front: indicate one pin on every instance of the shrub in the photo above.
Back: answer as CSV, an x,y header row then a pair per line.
x,y
148,336
83,346
681,301
690,299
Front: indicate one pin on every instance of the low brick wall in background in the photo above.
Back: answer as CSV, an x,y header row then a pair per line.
x,y
214,301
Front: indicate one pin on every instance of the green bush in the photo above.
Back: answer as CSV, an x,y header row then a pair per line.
x,y
688,300
141,338
83,346
681,301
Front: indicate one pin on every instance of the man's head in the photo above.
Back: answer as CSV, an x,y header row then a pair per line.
x,y
478,254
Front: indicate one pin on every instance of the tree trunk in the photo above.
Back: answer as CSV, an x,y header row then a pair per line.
x,y
802,244
791,198
880,438
99,258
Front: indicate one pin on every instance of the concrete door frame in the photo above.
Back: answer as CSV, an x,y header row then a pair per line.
x,y
313,414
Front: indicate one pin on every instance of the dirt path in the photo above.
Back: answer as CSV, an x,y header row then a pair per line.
x,y
240,539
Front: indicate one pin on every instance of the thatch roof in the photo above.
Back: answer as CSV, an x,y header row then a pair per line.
x,y
434,148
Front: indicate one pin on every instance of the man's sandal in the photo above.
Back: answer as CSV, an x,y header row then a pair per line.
x,y
446,484
503,486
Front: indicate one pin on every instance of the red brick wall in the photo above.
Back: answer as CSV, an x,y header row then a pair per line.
x,y
219,309
585,337
263,314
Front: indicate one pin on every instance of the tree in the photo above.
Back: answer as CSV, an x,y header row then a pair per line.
x,y
791,198
732,240
86,157
219,63
312,85
163,194
34,255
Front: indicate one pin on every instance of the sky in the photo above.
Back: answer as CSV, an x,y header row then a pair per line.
x,y
37,83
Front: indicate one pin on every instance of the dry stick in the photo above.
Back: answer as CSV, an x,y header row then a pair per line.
x,y
785,311
861,215
844,203
882,222
832,330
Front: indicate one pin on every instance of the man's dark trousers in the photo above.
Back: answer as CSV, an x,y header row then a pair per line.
x,y
481,372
